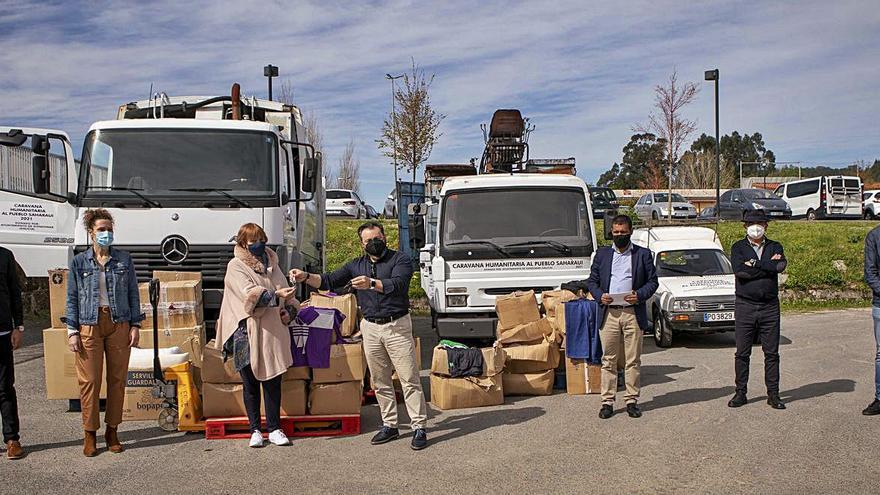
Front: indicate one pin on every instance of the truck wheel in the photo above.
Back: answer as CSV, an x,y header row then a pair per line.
x,y
811,215
662,333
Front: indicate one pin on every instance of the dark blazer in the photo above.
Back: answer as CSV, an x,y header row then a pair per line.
x,y
758,283
644,280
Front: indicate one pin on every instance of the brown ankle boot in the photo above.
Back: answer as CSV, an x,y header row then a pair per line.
x,y
90,447
112,440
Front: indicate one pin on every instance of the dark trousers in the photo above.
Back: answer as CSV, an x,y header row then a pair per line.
x,y
272,398
759,320
8,399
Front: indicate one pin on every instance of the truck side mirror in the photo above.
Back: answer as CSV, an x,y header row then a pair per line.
x,y
311,172
40,164
607,220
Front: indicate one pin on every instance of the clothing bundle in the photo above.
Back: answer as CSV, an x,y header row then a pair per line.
x,y
463,360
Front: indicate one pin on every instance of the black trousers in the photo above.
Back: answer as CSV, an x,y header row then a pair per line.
x,y
761,321
272,397
8,399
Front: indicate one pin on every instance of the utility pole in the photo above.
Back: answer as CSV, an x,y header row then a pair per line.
x,y
393,124
712,75
270,71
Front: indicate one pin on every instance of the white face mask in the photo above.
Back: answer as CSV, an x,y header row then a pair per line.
x,y
755,231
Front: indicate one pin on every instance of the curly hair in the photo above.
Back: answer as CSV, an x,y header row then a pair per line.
x,y
93,215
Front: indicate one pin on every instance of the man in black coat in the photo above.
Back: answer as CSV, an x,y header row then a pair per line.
x,y
11,332
757,262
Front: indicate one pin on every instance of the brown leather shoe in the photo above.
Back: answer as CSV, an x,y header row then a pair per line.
x,y
112,440
14,450
90,447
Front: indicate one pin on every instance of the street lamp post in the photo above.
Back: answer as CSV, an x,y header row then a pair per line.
x,y
393,124
712,75
270,71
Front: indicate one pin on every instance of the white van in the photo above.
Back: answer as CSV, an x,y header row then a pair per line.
x,y
823,197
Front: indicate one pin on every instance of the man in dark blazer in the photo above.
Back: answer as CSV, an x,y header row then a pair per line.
x,y
622,269
757,262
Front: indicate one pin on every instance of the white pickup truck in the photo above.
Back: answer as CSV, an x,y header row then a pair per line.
x,y
696,293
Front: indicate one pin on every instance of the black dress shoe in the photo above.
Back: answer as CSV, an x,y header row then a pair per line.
x,y
738,400
420,439
775,402
633,410
385,435
872,409
606,412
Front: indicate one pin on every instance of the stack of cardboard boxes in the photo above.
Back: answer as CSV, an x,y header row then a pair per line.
x,y
458,393
580,376
531,345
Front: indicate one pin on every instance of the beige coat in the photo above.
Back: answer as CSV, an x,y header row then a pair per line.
x,y
268,337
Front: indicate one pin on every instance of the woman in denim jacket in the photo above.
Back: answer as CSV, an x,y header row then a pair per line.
x,y
103,319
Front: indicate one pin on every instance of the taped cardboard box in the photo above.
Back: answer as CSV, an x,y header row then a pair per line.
x,y
223,400
214,370
57,296
516,309
459,393
528,383
336,398
493,361
582,377
526,333
171,337
139,403
532,358
176,276
180,304
553,302
346,304
60,364
347,364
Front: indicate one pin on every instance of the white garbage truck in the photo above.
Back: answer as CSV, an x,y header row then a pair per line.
x,y
180,175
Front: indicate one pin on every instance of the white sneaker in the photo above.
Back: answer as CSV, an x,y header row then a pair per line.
x,y
256,440
278,437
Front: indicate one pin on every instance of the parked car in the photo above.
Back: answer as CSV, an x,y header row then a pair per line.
x,y
823,197
654,206
371,212
871,204
736,202
602,198
390,210
345,203
707,213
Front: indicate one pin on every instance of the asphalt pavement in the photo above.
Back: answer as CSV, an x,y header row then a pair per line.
x,y
687,441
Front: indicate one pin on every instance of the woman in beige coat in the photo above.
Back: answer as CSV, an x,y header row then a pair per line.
x,y
250,329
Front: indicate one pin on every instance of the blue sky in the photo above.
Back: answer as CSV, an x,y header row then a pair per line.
x,y
805,74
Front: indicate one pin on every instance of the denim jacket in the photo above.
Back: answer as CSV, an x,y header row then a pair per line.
x,y
83,293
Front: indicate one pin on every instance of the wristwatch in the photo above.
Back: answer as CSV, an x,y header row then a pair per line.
x,y
372,283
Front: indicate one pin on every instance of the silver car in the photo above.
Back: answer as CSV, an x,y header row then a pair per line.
x,y
655,206
345,203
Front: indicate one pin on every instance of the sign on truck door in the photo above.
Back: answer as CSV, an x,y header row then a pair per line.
x,y
37,227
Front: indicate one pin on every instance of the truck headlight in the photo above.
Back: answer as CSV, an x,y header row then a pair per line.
x,y
684,305
456,301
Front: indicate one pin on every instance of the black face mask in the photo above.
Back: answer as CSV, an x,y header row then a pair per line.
x,y
375,247
621,241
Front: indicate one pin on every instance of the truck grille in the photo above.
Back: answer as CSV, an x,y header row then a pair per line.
x,y
716,303
209,260
503,291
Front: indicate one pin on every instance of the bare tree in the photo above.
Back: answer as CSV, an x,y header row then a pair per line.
x,y
410,134
669,124
286,94
313,130
347,174
697,170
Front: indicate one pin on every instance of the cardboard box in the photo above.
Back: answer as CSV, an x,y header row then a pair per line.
x,y
528,383
223,400
347,304
553,302
57,296
139,403
336,398
458,393
532,358
581,377
214,370
347,364
493,361
60,364
526,333
180,304
516,309
171,276
171,337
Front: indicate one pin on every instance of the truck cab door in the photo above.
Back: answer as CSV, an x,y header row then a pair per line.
x,y
38,214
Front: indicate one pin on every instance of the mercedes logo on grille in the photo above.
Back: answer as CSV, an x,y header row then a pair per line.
x,y
175,249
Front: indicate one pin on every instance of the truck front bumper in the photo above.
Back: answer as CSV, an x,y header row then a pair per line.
x,y
695,322
466,328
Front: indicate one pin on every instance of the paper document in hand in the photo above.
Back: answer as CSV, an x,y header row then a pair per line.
x,y
618,299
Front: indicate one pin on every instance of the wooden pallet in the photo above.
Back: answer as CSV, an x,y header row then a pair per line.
x,y
293,426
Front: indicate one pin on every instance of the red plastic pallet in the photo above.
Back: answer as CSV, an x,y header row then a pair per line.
x,y
293,426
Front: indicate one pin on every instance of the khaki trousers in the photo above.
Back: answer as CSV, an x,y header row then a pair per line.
x,y
391,347
621,333
110,339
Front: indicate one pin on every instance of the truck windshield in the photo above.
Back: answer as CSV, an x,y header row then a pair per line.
x,y
692,262
176,163
524,222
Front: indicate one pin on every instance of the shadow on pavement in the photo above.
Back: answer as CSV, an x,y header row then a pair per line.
x,y
146,437
454,427
659,374
689,396
813,390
